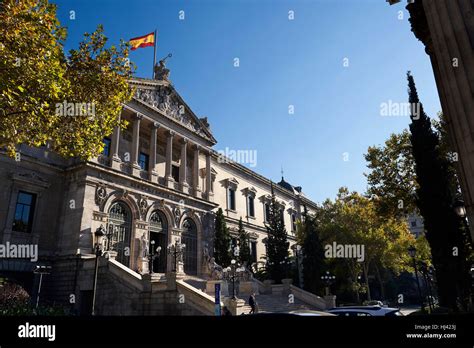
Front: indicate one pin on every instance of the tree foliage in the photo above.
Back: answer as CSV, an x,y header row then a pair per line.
x,y
244,245
447,234
37,79
222,239
277,243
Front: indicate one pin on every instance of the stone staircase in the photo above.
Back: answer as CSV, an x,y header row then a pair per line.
x,y
277,304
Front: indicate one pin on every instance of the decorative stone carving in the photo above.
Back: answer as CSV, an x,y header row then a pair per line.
x,y
164,99
100,194
177,215
216,271
143,206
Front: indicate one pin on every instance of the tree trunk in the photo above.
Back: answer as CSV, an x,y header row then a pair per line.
x,y
379,278
366,276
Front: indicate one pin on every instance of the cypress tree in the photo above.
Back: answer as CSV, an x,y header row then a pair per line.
x,y
222,252
244,239
313,256
445,231
277,244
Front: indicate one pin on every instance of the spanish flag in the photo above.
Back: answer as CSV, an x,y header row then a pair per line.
x,y
143,41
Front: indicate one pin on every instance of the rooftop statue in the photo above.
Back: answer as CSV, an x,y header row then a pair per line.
x,y
161,72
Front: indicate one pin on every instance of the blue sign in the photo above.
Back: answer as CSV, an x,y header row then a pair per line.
x,y
217,291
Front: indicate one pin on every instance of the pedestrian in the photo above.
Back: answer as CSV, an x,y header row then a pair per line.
x,y
252,303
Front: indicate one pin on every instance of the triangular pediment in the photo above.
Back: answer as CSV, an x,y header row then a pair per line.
x,y
163,98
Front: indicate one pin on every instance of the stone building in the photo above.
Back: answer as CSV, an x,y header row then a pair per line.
x,y
158,180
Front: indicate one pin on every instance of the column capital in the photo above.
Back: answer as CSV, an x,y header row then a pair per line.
x,y
155,125
183,141
196,147
170,133
138,116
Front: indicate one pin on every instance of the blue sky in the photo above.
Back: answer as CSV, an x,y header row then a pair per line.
x,y
282,62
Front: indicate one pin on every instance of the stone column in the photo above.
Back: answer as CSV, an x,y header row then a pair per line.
x,y
183,185
169,181
196,188
152,166
136,145
209,193
115,160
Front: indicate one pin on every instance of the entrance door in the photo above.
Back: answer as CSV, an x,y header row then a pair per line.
x,y
159,263
189,237
159,234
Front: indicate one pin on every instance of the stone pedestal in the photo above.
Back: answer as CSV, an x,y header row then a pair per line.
x,y
211,287
153,176
286,286
169,182
268,286
330,301
171,280
236,306
116,162
136,169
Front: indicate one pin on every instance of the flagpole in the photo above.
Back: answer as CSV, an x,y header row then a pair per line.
x,y
154,56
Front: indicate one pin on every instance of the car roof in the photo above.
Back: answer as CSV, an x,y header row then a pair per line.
x,y
364,308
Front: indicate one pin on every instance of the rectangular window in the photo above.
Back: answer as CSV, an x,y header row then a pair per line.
x,y
24,211
107,143
267,212
231,199
143,161
175,173
293,222
253,251
251,206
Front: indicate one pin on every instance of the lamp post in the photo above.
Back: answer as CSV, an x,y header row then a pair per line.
x,y
231,273
412,253
99,239
425,272
41,270
297,254
459,208
155,253
328,279
176,250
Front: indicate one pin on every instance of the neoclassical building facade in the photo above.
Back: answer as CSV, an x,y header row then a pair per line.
x,y
157,181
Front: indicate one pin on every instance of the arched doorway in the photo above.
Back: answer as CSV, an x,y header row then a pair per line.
x,y
158,233
119,228
189,237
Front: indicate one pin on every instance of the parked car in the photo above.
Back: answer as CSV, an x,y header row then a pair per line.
x,y
310,313
364,311
374,303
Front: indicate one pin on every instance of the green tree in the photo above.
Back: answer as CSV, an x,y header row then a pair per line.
x,y
313,255
222,252
277,244
37,79
391,180
244,245
446,233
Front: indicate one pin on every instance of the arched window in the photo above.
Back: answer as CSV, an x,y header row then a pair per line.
x,y
159,233
119,228
189,237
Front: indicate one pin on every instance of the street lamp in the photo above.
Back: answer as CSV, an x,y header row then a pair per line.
x,y
231,273
41,270
328,279
297,254
176,250
99,240
155,253
426,276
412,253
459,208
